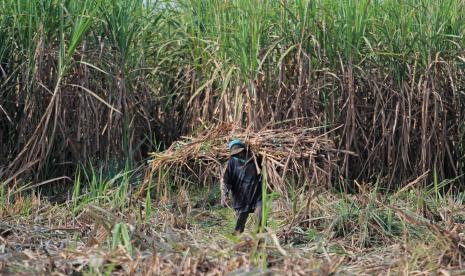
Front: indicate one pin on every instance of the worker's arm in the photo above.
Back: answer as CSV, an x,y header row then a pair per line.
x,y
226,183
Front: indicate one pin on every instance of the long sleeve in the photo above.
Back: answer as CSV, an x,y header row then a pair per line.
x,y
226,180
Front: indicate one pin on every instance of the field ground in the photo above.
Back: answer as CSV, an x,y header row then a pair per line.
x,y
331,233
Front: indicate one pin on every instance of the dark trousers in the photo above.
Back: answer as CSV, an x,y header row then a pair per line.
x,y
242,218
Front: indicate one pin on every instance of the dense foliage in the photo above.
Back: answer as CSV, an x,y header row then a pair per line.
x,y
110,80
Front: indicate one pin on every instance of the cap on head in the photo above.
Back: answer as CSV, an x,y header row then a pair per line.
x,y
234,143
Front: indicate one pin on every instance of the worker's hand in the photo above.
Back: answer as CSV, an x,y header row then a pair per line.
x,y
224,201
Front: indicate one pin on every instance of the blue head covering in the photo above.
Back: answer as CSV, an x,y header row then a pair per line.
x,y
235,142
241,145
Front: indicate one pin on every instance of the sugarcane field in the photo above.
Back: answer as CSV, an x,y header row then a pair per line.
x,y
232,137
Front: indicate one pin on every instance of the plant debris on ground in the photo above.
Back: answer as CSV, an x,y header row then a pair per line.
x,y
360,235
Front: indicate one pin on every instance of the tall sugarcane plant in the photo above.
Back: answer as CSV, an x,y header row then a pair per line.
x,y
110,80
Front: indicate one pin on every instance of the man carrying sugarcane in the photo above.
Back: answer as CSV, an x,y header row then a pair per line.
x,y
243,179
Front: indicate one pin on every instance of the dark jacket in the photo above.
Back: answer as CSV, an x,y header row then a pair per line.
x,y
244,182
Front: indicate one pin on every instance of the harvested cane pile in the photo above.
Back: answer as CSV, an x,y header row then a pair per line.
x,y
297,154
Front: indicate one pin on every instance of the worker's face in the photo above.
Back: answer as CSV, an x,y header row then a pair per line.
x,y
240,155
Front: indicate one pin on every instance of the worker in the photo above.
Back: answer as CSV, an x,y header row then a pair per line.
x,y
243,180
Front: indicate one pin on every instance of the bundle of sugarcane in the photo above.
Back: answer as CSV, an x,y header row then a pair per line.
x,y
303,152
